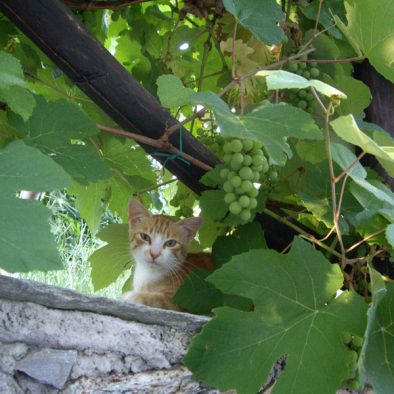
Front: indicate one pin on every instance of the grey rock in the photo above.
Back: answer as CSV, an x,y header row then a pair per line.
x,y
8,385
10,354
49,366
59,298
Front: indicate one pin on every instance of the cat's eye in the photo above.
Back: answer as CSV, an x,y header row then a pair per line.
x,y
170,243
145,237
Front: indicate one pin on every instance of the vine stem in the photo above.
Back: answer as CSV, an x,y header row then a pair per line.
x,y
156,143
148,189
347,60
318,17
365,240
307,236
98,5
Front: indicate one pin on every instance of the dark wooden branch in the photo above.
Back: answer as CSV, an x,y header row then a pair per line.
x,y
55,29
100,5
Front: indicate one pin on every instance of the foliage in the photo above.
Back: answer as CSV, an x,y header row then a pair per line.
x,y
276,82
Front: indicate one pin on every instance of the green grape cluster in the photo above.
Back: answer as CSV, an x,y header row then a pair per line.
x,y
245,163
354,344
306,70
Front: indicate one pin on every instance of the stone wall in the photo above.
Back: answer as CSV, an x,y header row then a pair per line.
x,y
54,340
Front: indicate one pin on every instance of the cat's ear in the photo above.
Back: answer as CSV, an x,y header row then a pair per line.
x,y
137,212
190,226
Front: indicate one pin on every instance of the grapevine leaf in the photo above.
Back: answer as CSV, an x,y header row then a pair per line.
x,y
51,128
171,91
127,157
26,242
390,234
359,95
270,123
209,231
212,204
280,79
346,128
89,202
377,357
109,261
260,18
19,100
294,314
13,89
197,295
247,237
371,29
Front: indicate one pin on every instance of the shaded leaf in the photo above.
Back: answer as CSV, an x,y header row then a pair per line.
x,y
377,357
171,91
26,242
259,17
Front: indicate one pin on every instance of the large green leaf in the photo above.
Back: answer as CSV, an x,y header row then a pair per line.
x,y
171,91
270,123
280,79
52,127
377,358
259,17
26,242
212,204
295,315
347,128
109,261
13,89
370,27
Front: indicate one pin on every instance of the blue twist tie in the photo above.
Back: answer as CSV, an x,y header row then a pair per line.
x,y
173,156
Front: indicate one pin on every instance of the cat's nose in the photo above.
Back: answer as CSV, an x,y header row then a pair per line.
x,y
154,255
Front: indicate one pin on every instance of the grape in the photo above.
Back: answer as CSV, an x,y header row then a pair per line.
x,y
229,198
258,160
237,158
235,165
246,186
227,187
309,97
302,94
236,181
357,341
246,173
245,215
227,147
247,160
302,66
235,208
253,193
256,177
314,72
247,145
346,337
244,201
253,203
227,158
306,74
224,172
236,146
302,104
292,67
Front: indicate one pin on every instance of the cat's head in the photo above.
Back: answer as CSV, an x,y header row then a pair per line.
x,y
158,240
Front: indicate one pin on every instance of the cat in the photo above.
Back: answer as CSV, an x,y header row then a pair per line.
x,y
158,244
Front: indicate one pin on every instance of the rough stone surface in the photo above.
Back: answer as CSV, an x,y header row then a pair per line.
x,y
59,298
54,340
49,366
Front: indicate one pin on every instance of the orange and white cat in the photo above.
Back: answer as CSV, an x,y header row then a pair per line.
x,y
159,245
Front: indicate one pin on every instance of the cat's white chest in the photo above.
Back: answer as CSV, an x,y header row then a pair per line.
x,y
145,274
